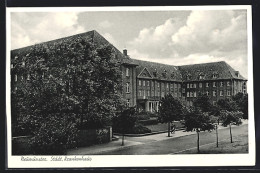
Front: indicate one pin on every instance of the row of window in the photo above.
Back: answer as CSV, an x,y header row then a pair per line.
x,y
149,93
214,93
214,84
147,83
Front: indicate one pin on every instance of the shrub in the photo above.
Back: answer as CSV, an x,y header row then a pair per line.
x,y
139,129
56,134
149,122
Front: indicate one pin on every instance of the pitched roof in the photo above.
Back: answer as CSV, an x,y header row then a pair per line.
x,y
93,36
220,69
171,72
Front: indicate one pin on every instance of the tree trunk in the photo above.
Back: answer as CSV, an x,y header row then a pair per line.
x,y
230,133
123,138
198,141
169,129
217,134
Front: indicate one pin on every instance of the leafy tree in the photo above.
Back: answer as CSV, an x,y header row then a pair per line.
x,y
69,77
198,120
227,104
170,109
125,121
231,117
242,103
203,103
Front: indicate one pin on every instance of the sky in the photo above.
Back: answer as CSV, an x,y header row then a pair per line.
x,y
169,37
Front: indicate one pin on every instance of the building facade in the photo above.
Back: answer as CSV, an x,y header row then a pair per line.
x,y
145,83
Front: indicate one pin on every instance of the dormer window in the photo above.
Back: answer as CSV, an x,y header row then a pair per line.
x,y
201,76
172,75
155,73
237,73
164,74
189,77
215,75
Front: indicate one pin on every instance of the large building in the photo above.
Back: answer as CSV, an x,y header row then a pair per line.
x,y
145,83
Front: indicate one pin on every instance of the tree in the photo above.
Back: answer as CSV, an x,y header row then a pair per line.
x,y
125,121
242,103
229,118
198,120
68,77
170,109
203,103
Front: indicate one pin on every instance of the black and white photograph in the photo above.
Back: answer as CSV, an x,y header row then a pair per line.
x,y
130,86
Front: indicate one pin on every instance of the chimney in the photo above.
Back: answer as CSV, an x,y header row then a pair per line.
x,y
125,51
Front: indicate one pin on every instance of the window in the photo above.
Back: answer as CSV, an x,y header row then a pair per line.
x,y
28,77
221,84
148,93
148,83
128,102
140,93
171,86
158,93
214,93
127,87
214,84
221,93
144,93
15,77
176,94
194,85
207,93
158,85
228,83
152,83
191,85
163,94
214,103
214,76
22,77
144,83
127,71
195,94
23,64
207,84
140,82
191,94
188,94
201,77
228,92
188,85
200,85
167,85
162,85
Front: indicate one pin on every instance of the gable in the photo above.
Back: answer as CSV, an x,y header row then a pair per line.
x,y
145,73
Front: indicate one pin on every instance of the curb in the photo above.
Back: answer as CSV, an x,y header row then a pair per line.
x,y
146,134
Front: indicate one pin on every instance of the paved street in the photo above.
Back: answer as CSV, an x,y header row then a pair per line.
x,y
175,145
160,143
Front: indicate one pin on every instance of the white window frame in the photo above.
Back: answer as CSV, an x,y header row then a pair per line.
x,y
188,94
140,82
194,94
15,77
127,72
214,93
207,93
228,93
167,85
207,84
143,82
221,84
228,83
188,85
127,87
221,93
140,93
214,84
194,86
200,85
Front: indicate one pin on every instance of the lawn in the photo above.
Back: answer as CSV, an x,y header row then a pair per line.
x,y
239,145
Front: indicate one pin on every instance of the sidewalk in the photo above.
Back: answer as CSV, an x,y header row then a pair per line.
x,y
129,141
